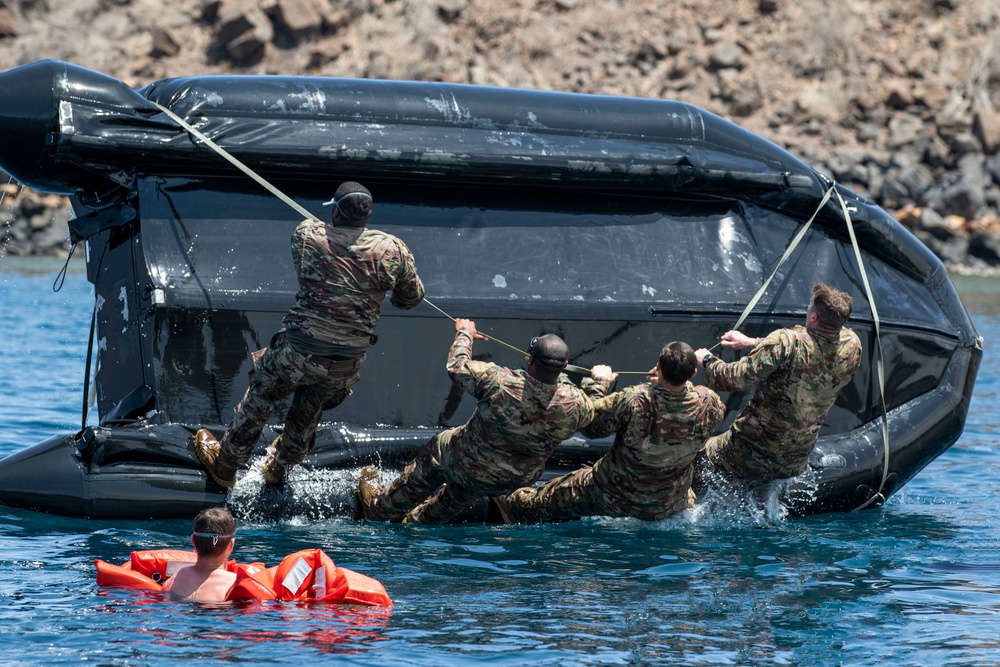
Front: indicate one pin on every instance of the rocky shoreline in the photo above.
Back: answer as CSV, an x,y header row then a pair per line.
x,y
895,99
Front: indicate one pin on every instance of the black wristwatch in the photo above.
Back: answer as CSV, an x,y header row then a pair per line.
x,y
704,360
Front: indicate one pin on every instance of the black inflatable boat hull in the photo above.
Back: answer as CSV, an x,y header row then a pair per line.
x,y
618,223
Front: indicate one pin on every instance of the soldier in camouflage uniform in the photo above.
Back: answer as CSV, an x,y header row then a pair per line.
x,y
800,370
344,271
520,418
659,428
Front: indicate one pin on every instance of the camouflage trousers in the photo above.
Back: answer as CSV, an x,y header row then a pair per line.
x,y
732,458
576,494
314,387
429,490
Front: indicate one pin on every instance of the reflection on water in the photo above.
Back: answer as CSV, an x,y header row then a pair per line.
x,y
916,582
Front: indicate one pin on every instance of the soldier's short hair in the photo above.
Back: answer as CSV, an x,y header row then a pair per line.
x,y
831,306
214,529
549,351
677,362
354,202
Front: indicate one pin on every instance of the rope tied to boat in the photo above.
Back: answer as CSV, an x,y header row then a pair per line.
x,y
879,364
306,214
800,234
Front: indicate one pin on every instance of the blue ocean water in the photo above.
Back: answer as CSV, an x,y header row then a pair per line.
x,y
916,582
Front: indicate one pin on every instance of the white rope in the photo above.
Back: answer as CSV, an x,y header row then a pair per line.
x,y
3,195
239,165
791,248
879,364
288,200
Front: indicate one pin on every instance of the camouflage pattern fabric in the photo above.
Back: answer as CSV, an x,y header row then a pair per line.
x,y
647,472
800,374
344,274
517,424
279,372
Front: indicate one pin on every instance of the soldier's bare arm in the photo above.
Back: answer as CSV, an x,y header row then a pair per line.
x,y
734,340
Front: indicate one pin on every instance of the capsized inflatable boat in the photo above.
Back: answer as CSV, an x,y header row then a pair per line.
x,y
618,223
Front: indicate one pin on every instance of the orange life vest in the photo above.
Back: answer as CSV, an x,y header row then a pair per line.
x,y
304,575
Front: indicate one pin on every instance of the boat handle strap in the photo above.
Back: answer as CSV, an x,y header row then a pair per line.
x,y
879,359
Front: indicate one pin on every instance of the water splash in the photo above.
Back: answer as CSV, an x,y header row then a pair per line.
x,y
307,494
725,503
9,223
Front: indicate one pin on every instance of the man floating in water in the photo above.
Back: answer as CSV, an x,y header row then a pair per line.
x,y
207,580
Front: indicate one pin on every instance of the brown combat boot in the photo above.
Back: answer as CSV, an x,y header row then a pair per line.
x,y
274,470
369,489
208,450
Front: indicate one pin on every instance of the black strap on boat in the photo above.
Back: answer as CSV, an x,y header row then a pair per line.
x,y
60,280
788,252
86,372
239,165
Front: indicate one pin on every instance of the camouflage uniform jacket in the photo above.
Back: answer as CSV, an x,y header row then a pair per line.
x,y
658,433
344,274
517,423
800,374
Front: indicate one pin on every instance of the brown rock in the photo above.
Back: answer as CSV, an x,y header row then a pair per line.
x,y
243,32
904,129
326,51
726,56
165,45
953,224
908,216
985,247
898,96
932,96
299,19
986,128
39,221
8,25
53,201
450,10
894,65
767,6
988,223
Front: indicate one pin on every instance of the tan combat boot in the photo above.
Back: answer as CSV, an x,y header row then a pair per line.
x,y
369,489
208,451
274,470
